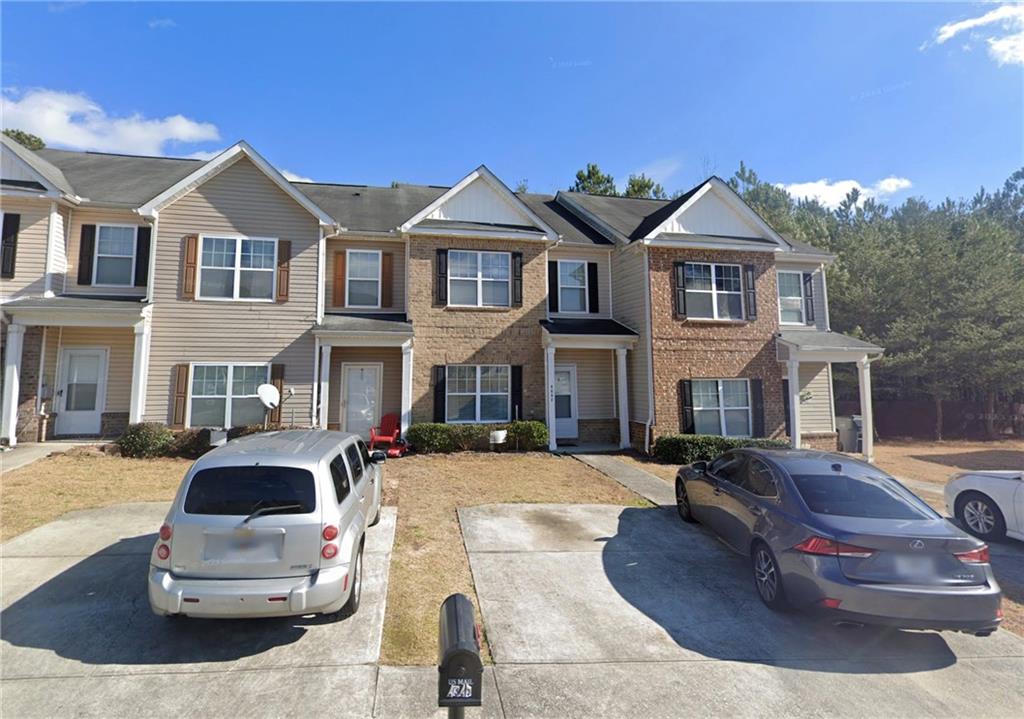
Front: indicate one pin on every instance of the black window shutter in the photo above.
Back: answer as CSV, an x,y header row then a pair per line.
x,y
86,249
142,256
809,298
517,392
9,244
552,286
517,279
785,402
439,391
757,407
750,292
679,289
441,278
592,293
686,425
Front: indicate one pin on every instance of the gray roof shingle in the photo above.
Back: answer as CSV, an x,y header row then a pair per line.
x,y
586,327
357,323
814,339
47,170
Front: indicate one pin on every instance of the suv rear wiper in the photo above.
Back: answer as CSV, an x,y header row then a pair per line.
x,y
266,510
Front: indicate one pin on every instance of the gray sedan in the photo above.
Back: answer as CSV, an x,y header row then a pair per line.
x,y
828,533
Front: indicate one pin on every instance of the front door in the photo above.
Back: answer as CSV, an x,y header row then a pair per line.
x,y
82,390
360,398
566,413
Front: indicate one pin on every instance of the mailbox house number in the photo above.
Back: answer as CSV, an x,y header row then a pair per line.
x,y
460,689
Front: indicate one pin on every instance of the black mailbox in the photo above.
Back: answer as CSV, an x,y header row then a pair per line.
x,y
460,671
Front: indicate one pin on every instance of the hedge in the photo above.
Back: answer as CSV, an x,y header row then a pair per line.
x,y
687,448
433,437
146,439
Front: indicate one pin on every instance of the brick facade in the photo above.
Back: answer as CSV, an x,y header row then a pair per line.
x,y
696,349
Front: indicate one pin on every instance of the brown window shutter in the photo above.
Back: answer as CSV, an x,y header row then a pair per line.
x,y
180,396
277,379
339,280
188,272
12,222
86,250
284,258
387,279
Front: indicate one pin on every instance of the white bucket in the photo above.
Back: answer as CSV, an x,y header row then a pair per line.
x,y
499,436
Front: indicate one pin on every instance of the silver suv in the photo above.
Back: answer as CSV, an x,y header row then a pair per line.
x,y
269,525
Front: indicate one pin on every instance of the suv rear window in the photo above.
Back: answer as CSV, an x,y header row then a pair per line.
x,y
864,496
243,490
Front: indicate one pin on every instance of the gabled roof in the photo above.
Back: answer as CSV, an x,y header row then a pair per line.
x,y
50,175
370,209
573,229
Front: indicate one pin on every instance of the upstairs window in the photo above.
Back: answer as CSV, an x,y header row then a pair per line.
x,y
479,279
572,286
714,292
362,278
114,262
477,393
791,298
237,268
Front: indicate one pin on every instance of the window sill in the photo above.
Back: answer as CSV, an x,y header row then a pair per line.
x,y
711,321
225,300
470,308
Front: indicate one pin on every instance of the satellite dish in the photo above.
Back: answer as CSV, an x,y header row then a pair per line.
x,y
269,396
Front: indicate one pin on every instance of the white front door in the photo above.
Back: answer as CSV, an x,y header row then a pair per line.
x,y
82,390
566,414
360,398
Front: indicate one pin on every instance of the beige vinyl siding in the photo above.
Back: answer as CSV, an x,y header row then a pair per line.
x,y
30,256
391,378
120,341
397,250
240,200
603,278
819,289
59,258
91,216
595,381
816,412
629,289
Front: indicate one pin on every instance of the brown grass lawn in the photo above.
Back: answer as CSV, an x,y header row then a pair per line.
x,y
429,560
81,479
936,461
649,464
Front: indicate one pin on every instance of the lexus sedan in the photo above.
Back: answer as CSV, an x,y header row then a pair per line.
x,y
834,535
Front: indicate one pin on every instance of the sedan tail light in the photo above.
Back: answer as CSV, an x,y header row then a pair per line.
x,y
832,548
975,556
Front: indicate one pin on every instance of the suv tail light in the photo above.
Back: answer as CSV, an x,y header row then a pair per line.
x,y
830,547
330,532
163,551
975,556
166,531
330,551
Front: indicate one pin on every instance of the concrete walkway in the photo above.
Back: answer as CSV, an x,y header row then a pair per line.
x,y
652,488
29,452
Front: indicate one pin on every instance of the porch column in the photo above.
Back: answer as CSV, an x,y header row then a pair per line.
x,y
793,368
866,413
549,402
323,391
140,371
406,420
623,397
12,373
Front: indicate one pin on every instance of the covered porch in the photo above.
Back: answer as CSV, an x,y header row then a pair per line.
x,y
73,367
364,371
587,394
801,347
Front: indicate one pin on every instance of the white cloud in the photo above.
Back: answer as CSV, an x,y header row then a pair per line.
x,y
163,23
292,177
72,120
830,194
203,154
1005,42
660,170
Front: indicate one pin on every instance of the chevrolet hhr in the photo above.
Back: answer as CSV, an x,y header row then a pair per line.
x,y
269,525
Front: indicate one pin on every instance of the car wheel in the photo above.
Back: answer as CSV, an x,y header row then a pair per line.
x,y
980,516
354,597
768,578
683,502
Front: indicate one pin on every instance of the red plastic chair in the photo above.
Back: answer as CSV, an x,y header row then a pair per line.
x,y
387,433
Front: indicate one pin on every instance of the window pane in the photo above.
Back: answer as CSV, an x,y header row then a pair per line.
x,y
495,294
81,396
572,300
563,406
114,271
115,241
462,292
247,411
218,252
572,274
737,423
209,380
258,254
363,265
494,407
494,379
461,408
245,379
790,284
698,304
792,309
461,379
207,412
727,278
734,393
461,264
705,393
217,283
362,293
494,265
730,307
706,421
698,277
255,284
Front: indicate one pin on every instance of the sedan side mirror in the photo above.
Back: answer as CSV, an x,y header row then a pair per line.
x,y
377,456
701,466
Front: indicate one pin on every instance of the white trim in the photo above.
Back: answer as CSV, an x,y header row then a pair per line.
x,y
51,249
585,288
140,369
96,255
42,371
831,397
478,393
151,270
51,189
803,298
714,292
222,162
549,396
622,397
15,343
824,296
519,236
228,397
710,244
238,269
324,375
101,386
721,404
793,385
866,409
380,276
480,279
339,338
599,342
76,317
407,367
321,272
611,287
343,403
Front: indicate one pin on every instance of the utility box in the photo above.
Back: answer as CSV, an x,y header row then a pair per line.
x,y
851,438
460,671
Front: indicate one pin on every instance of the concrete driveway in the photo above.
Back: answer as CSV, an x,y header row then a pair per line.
x,y
612,611
78,637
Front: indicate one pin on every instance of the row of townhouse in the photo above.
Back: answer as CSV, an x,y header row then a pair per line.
x,y
166,290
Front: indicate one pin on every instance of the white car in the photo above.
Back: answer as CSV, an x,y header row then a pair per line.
x,y
989,505
269,525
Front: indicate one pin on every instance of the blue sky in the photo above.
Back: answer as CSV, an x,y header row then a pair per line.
x,y
873,93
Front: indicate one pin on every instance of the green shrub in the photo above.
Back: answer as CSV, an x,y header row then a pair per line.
x,y
145,439
246,430
190,443
687,448
432,437
528,435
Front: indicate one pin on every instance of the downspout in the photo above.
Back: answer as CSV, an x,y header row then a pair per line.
x,y
51,241
824,298
67,250
151,272
650,351
321,258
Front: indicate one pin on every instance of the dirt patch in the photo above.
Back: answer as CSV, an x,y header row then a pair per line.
x,y
936,461
429,559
